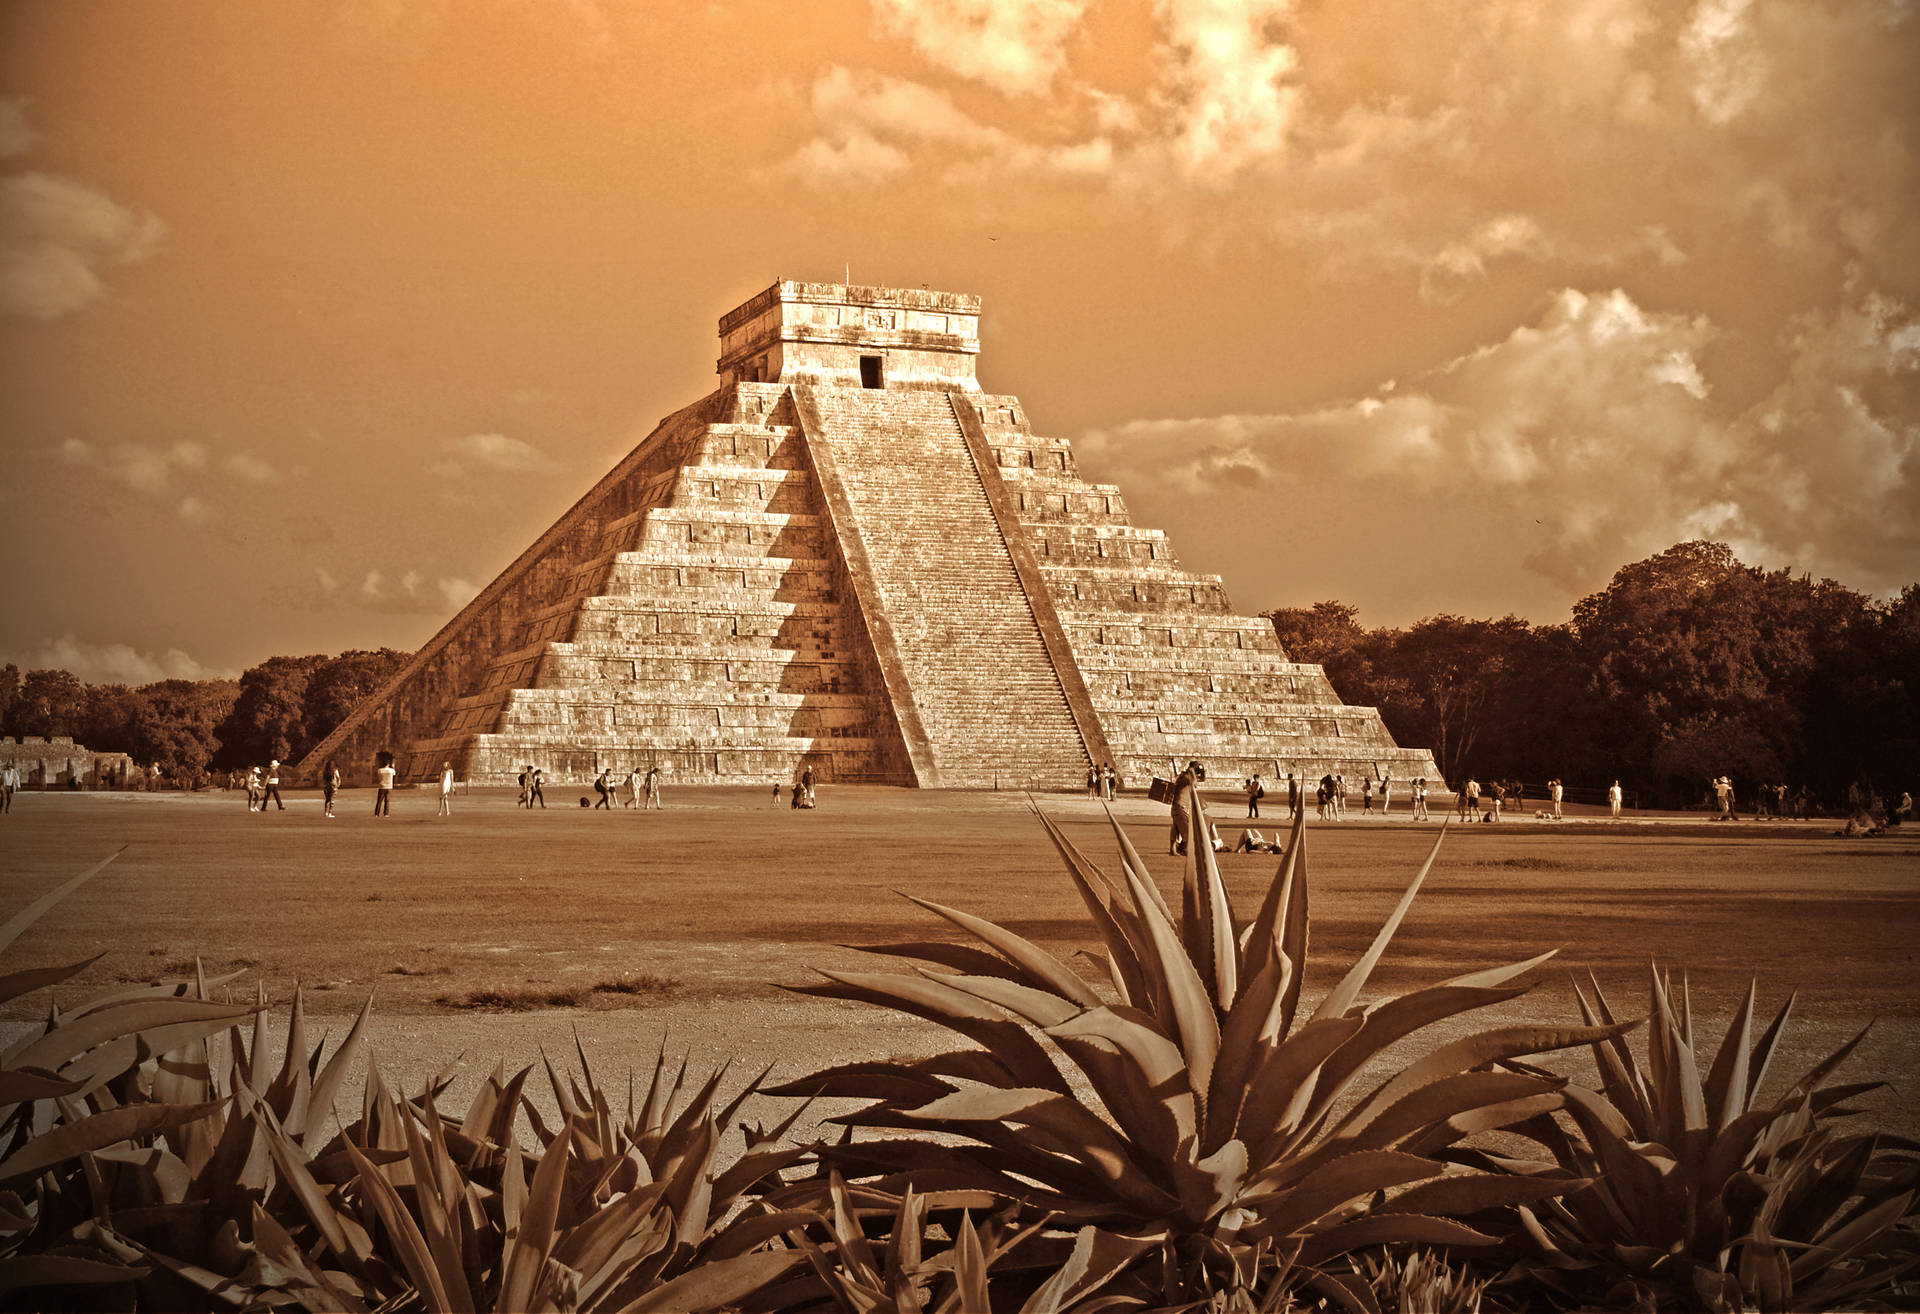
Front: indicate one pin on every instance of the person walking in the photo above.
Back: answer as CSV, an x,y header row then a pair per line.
x,y
1293,796
253,789
1255,792
446,789
272,790
1614,797
1420,799
1386,796
1496,795
1339,795
1093,781
383,788
1366,796
329,786
9,782
653,788
534,792
633,788
1108,779
603,787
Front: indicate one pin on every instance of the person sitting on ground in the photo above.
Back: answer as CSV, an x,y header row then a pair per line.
x,y
1251,841
1214,841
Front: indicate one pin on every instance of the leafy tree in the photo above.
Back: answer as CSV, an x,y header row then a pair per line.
x,y
50,703
108,725
269,717
9,694
1320,634
341,684
177,725
1445,681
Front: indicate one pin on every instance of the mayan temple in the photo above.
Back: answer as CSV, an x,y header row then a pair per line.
x,y
849,556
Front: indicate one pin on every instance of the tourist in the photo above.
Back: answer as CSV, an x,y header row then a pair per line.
x,y
253,789
446,789
329,786
803,788
604,789
776,795
633,788
1339,795
1555,791
1614,797
1255,792
1366,797
1496,795
1324,797
273,787
653,788
1723,794
1251,841
383,787
1109,779
1185,788
9,782
534,793
1386,795
1293,796
1420,799
1214,841
1469,798
522,801
1899,812
1093,781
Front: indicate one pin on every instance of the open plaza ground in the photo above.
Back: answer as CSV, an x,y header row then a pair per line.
x,y
501,934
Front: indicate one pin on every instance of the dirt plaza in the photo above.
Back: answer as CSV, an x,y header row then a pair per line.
x,y
499,934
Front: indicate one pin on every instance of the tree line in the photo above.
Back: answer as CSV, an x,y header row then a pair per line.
x,y
1687,666
193,728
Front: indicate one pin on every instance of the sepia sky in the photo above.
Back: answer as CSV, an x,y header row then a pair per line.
x,y
314,315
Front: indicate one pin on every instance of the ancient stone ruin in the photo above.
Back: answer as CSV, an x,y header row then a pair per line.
x,y
848,556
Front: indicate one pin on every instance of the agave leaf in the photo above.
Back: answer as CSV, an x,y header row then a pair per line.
x,y
1041,1008
1499,976
1119,927
1285,1085
97,1131
1265,932
754,1167
1847,1241
1132,864
1389,1229
1243,1043
970,1267
1120,1057
12,928
415,1255
1097,1256
1435,1104
1821,1070
609,1245
1342,997
1763,1049
18,1085
1620,1077
954,1009
171,1022
1476,1051
342,1234
1215,931
527,1247
439,1228
292,1271
1036,965
15,984
944,953
1471,1193
1333,1184
866,1081
1726,1088
1174,975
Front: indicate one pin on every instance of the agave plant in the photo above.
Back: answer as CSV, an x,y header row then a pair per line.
x,y
137,1159
1241,1139
1702,1195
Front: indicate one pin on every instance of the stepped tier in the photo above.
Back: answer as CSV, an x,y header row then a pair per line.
x,y
848,557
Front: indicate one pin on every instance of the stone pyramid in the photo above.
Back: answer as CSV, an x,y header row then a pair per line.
x,y
848,556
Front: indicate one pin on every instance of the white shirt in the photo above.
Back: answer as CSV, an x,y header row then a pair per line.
x,y
386,777
446,781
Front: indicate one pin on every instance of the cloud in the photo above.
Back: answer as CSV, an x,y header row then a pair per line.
x,y
410,594
144,469
1013,46
495,451
113,663
250,469
457,592
16,137
193,511
1599,422
1233,83
57,236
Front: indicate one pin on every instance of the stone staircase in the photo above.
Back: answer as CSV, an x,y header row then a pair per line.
x,y
971,657
708,631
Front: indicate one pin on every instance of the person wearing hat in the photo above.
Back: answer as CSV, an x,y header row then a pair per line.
x,y
273,787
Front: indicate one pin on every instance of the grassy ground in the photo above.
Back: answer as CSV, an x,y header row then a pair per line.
x,y
502,932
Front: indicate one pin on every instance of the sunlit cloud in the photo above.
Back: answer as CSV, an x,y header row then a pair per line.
x,y
112,663
58,237
495,451
1598,422
16,135
250,469
1013,46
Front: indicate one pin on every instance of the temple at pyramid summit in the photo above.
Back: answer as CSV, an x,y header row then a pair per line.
x,y
848,556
